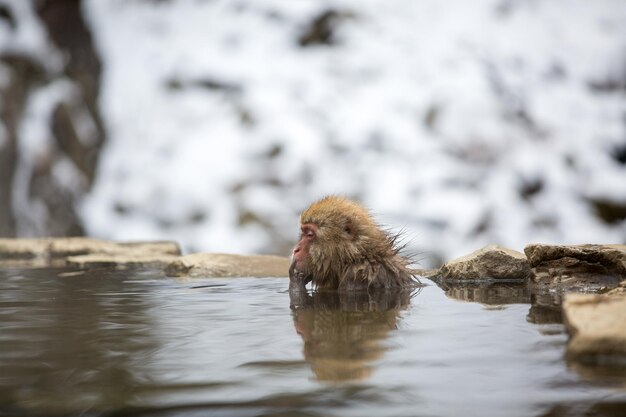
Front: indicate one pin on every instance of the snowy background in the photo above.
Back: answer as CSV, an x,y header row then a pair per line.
x,y
463,123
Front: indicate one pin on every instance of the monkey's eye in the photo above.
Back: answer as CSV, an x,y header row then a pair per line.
x,y
308,232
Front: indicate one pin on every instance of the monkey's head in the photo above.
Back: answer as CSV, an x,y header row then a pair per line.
x,y
335,234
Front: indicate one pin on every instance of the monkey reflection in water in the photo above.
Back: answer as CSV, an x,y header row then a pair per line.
x,y
362,283
344,332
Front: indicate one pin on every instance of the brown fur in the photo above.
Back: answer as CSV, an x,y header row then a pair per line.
x,y
349,250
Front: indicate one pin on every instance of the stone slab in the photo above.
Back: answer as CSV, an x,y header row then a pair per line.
x,y
228,265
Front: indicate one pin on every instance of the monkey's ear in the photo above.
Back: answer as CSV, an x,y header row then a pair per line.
x,y
349,228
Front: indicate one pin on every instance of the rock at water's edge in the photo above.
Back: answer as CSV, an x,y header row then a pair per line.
x,y
610,255
491,262
84,252
577,266
227,265
597,328
120,261
84,246
70,246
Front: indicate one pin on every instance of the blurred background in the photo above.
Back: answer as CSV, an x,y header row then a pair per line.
x,y
214,123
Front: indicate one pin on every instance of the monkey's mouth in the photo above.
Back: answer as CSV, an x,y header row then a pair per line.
x,y
298,278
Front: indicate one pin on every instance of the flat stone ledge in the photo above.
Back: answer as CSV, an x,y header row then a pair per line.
x,y
36,253
68,246
84,246
228,265
120,261
597,328
24,248
492,262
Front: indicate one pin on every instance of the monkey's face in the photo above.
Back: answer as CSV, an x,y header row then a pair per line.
x,y
300,271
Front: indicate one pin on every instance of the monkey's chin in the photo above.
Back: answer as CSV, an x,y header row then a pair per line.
x,y
298,279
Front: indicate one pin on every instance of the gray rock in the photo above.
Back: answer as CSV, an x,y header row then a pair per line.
x,y
84,246
492,262
580,267
55,251
24,248
597,328
226,265
121,261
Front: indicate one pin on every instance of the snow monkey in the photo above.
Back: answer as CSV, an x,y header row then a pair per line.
x,y
341,247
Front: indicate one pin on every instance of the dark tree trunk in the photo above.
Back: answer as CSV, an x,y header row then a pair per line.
x,y
33,201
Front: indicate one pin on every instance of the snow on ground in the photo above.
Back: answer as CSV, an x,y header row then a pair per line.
x,y
465,123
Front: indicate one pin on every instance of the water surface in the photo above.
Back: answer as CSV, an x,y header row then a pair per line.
x,y
136,343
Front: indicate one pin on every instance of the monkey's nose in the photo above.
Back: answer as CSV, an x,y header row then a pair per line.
x,y
296,250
